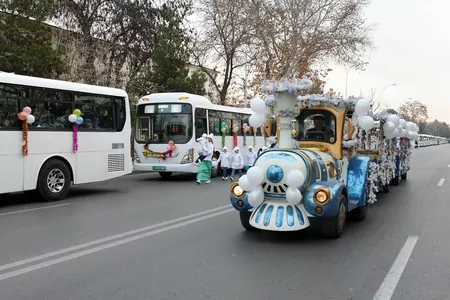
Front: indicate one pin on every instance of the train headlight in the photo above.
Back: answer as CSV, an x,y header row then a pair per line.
x,y
322,196
237,191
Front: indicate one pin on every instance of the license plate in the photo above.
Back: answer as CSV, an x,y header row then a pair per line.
x,y
159,168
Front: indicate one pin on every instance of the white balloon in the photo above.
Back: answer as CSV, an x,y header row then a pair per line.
x,y
417,128
255,175
396,133
293,196
245,184
388,127
256,120
403,133
72,118
30,119
403,122
258,105
362,107
256,197
409,134
295,179
394,119
365,122
410,126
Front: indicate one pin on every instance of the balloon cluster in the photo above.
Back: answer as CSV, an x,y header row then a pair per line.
x,y
252,182
75,117
258,118
245,128
394,126
25,115
362,108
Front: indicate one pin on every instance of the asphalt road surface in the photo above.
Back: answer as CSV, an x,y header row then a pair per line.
x,y
140,237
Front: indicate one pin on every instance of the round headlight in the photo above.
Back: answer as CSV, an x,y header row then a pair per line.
x,y
237,191
321,196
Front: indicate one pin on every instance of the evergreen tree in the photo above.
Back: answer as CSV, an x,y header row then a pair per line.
x,y
25,41
168,70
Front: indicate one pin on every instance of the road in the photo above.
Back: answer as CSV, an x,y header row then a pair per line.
x,y
140,237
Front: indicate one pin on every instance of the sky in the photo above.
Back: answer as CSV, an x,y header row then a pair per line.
x,y
412,40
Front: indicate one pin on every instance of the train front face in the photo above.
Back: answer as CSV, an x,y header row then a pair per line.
x,y
294,189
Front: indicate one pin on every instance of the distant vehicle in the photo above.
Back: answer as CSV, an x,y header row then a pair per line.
x,y
51,164
182,118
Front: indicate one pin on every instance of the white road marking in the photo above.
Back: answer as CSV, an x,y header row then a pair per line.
x,y
449,166
441,182
106,239
33,209
107,246
387,288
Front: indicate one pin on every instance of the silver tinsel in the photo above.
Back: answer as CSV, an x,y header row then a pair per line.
x,y
290,112
285,85
373,182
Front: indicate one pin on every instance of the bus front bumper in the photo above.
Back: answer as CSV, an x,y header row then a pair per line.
x,y
176,168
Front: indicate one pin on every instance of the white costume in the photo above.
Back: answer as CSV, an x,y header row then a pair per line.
x,y
251,156
202,141
224,159
236,160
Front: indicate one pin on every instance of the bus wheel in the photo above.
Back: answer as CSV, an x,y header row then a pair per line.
x,y
165,175
215,171
53,181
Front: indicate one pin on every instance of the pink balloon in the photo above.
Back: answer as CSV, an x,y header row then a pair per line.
x,y
22,116
27,110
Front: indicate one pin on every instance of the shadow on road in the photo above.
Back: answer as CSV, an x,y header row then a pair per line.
x,y
18,199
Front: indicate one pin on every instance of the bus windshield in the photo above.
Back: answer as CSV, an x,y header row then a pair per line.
x,y
161,123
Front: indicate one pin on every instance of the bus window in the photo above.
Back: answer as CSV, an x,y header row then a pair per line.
x,y
166,122
200,122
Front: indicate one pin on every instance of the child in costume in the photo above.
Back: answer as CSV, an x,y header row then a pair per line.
x,y
251,157
236,162
202,148
224,160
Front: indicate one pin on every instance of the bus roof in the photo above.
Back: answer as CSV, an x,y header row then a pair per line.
x,y
59,85
195,100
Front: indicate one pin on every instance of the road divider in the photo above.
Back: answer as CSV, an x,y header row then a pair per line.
x,y
122,239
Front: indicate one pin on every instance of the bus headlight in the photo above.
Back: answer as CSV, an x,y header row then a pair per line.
x,y
322,196
188,158
237,191
136,158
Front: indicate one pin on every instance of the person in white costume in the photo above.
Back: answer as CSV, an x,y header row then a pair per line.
x,y
236,162
203,140
224,160
251,157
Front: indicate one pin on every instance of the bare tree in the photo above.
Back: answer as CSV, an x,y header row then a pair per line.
x,y
224,42
295,35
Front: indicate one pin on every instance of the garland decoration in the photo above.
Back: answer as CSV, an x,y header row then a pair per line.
x,y
76,120
27,118
223,129
245,129
235,138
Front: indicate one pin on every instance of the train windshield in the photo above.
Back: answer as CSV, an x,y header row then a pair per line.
x,y
316,125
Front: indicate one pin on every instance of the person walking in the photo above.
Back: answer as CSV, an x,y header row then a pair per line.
x,y
204,168
237,163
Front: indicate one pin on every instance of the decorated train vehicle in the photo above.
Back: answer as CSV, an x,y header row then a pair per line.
x,y
331,158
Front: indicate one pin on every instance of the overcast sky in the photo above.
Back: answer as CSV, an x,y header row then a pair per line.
x,y
413,51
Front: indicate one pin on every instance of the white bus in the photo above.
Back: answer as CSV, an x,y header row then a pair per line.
x,y
182,118
104,139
